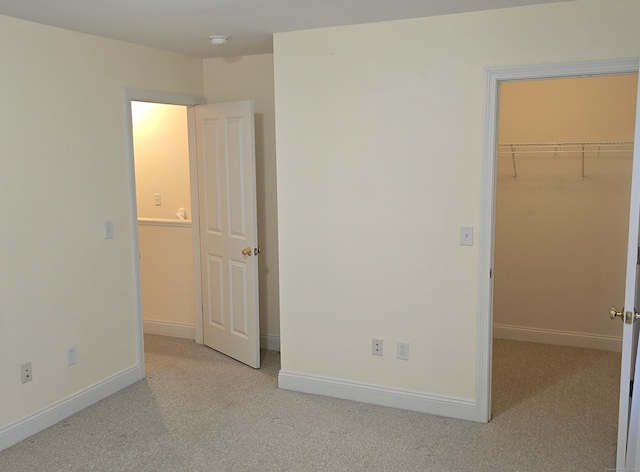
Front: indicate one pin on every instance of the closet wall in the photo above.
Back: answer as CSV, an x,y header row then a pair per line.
x,y
161,150
560,241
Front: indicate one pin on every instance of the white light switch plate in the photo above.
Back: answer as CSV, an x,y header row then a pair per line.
x,y
466,235
108,229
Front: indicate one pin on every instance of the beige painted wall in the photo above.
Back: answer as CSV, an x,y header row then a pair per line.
x,y
166,277
560,244
161,148
380,140
64,171
251,78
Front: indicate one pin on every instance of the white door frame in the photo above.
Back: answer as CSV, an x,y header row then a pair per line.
x,y
485,303
169,99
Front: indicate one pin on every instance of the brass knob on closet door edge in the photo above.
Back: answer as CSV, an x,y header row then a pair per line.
x,y
247,251
627,317
613,313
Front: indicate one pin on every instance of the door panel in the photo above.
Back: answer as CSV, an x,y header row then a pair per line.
x,y
228,225
214,284
239,322
207,144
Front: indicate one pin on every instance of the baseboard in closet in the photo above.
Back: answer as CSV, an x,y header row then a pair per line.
x,y
563,338
165,328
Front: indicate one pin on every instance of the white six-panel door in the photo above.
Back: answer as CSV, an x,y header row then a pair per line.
x,y
228,229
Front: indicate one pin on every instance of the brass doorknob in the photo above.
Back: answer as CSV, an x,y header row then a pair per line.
x,y
628,317
247,251
614,312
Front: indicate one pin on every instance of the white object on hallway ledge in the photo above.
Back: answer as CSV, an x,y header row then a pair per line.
x,y
181,214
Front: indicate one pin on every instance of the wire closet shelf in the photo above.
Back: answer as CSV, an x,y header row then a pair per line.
x,y
581,148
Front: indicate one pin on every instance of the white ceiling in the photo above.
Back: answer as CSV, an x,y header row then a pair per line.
x,y
184,26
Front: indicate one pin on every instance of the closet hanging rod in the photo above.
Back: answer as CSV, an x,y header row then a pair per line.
x,y
559,148
566,147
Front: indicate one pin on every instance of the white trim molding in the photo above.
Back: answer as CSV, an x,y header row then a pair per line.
x,y
166,328
152,96
131,94
41,420
164,222
562,338
195,225
270,343
493,77
378,395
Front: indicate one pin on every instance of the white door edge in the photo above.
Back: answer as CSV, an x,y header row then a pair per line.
x,y
631,302
153,97
195,224
487,225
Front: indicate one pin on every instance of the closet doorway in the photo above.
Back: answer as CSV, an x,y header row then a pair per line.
x,y
563,180
563,184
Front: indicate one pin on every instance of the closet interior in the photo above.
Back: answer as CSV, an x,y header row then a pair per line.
x,y
563,183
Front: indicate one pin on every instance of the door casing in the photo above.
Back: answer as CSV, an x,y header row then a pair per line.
x,y
493,78
190,101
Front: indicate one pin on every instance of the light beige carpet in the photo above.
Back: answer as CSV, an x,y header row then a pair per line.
x,y
555,409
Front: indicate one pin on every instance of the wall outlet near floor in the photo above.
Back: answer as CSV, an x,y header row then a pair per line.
x,y
376,347
25,371
403,350
71,356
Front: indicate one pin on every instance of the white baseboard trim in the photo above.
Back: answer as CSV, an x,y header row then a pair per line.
x,y
41,420
378,395
270,343
563,338
165,328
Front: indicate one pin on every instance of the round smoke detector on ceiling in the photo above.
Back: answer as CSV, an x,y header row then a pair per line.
x,y
218,39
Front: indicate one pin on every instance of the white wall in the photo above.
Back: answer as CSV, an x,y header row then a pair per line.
x,y
251,78
64,171
379,141
559,262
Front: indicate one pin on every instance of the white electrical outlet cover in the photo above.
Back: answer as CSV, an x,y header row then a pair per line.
x,y
403,350
71,356
376,347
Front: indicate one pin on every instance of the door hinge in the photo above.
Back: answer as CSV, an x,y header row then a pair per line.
x,y
638,258
490,273
630,388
